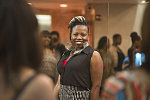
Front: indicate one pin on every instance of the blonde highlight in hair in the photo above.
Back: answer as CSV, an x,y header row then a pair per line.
x,y
78,20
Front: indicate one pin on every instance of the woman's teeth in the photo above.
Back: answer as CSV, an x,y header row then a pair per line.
x,y
79,42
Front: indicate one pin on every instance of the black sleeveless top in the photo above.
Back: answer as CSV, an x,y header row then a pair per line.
x,y
77,70
120,60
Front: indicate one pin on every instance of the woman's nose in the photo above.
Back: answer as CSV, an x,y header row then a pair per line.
x,y
79,37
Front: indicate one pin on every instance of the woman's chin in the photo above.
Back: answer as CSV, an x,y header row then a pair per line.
x,y
79,46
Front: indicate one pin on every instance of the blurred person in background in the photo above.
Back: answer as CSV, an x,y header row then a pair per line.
x,y
117,53
80,67
103,49
21,54
135,84
49,62
55,44
136,46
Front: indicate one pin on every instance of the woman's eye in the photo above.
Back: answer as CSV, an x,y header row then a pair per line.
x,y
83,34
75,34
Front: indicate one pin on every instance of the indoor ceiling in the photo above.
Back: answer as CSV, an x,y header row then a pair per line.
x,y
74,4
87,1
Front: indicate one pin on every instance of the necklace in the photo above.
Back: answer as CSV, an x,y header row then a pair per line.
x,y
74,52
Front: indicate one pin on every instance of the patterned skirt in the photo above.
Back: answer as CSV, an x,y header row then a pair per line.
x,y
73,93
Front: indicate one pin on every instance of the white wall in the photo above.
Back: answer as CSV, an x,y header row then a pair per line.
x,y
100,27
139,17
120,19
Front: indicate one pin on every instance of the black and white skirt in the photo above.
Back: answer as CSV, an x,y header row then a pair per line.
x,y
73,93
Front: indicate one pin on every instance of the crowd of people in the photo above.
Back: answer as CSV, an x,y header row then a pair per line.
x,y
39,67
113,57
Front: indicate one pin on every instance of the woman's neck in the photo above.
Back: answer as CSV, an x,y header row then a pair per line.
x,y
77,49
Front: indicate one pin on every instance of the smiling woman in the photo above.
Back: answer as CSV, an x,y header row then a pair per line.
x,y
79,36
81,67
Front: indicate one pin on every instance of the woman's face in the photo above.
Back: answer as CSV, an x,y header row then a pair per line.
x,y
138,44
79,36
46,40
118,40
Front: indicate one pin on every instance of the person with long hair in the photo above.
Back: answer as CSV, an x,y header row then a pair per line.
x,y
103,49
21,54
80,67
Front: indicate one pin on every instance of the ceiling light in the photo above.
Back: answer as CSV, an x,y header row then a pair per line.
x,y
30,3
63,5
143,1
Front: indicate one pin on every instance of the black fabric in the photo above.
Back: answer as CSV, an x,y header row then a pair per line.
x,y
61,49
120,60
130,54
20,91
77,70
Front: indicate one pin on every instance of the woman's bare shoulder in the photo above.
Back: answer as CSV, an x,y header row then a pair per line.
x,y
96,55
41,88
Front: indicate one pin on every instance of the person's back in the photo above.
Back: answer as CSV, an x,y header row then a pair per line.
x,y
49,66
39,88
21,54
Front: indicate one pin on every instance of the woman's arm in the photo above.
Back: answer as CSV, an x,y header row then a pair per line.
x,y
57,88
96,71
